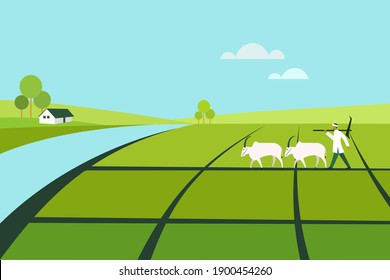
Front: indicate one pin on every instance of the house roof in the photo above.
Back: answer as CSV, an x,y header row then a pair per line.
x,y
59,113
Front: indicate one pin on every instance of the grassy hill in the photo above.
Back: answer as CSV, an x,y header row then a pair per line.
x,y
16,131
366,114
87,115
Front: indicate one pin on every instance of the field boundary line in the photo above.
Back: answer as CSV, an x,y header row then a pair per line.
x,y
14,224
378,185
197,168
303,253
144,168
344,222
98,220
151,244
93,220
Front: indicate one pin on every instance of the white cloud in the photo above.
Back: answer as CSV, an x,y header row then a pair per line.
x,y
253,51
290,74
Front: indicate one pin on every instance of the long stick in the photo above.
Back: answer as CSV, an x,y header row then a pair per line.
x,y
348,130
317,130
349,126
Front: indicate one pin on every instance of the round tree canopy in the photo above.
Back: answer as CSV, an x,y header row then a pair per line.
x,y
198,115
30,86
21,102
43,100
203,106
210,114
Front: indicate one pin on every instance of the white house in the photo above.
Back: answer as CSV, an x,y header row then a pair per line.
x,y
55,116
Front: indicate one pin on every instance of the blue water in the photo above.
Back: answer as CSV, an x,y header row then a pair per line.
x,y
27,169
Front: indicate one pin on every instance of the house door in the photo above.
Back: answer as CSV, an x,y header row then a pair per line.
x,y
64,119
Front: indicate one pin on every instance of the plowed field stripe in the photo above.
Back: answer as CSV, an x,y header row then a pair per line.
x,y
88,220
304,255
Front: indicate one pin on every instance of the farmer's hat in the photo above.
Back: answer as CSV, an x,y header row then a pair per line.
x,y
335,124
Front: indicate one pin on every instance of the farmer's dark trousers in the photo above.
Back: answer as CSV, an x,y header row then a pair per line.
x,y
335,156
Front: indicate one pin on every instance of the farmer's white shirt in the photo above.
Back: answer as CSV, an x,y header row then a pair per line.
x,y
338,135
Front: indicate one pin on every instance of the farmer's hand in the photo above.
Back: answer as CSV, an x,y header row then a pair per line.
x,y
348,147
325,131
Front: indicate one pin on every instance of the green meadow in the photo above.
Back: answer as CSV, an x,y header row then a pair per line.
x,y
16,131
86,115
366,114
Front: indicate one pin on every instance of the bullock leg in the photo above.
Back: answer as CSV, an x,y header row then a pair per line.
x,y
303,162
259,161
281,162
273,161
251,163
295,163
324,160
318,160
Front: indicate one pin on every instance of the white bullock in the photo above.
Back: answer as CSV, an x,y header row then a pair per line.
x,y
259,150
304,150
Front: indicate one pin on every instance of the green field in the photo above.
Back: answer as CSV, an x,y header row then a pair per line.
x,y
15,137
86,115
223,194
191,188
136,194
16,131
227,242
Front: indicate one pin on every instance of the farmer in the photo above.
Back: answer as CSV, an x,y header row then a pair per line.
x,y
337,147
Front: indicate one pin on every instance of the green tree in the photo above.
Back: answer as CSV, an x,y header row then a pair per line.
x,y
198,116
30,87
210,115
21,102
42,101
203,107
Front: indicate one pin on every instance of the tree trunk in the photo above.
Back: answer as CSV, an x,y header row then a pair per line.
x,y
203,119
21,113
209,121
30,107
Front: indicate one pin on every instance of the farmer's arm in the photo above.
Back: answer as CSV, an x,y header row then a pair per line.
x,y
329,135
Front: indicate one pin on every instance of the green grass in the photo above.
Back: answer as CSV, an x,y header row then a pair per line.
x,y
16,131
227,242
80,242
340,195
187,146
27,122
118,194
15,137
373,141
348,242
87,115
238,195
361,114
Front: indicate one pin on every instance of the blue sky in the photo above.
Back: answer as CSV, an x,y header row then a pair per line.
x,y
161,57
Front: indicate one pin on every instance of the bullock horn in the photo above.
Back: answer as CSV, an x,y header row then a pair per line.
x,y
289,140
246,140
